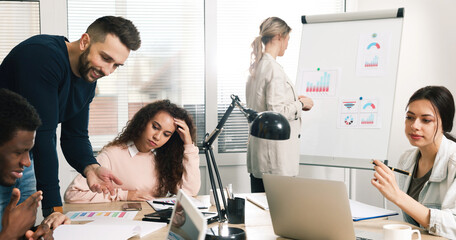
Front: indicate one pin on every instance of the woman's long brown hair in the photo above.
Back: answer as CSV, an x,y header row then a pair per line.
x,y
168,158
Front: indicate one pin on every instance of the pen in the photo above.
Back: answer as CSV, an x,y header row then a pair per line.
x,y
396,170
164,203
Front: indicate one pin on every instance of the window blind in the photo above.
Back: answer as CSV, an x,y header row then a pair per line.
x,y
169,64
238,24
19,20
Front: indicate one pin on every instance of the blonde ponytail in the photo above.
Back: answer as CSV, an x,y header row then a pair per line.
x,y
269,28
256,54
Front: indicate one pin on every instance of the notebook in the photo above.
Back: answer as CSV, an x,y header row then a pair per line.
x,y
304,208
186,221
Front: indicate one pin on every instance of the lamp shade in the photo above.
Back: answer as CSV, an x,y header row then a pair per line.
x,y
270,125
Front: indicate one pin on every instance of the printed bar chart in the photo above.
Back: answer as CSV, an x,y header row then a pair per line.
x,y
373,63
320,86
319,83
368,120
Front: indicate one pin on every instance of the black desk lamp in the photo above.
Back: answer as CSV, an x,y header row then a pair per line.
x,y
267,125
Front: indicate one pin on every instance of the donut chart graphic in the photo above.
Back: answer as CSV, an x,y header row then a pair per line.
x,y
374,44
349,120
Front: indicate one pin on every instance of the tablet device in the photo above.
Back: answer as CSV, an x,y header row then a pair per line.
x,y
186,221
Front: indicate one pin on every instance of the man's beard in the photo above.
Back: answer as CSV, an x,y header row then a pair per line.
x,y
84,67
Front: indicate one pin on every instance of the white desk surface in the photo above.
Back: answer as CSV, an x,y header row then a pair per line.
x,y
257,225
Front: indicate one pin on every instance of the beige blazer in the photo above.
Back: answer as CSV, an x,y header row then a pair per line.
x,y
271,90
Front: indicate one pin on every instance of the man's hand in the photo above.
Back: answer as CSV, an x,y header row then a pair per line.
x,y
43,232
18,219
100,179
56,219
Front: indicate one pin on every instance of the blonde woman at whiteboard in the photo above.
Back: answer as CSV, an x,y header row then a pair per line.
x,y
427,197
269,89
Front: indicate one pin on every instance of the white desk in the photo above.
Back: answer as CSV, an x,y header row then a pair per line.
x,y
257,225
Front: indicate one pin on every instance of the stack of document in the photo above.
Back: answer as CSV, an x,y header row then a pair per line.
x,y
113,229
361,211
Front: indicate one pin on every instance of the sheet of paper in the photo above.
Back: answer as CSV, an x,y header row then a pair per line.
x,y
144,227
94,232
361,211
93,215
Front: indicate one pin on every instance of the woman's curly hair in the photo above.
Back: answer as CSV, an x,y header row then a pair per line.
x,y
168,158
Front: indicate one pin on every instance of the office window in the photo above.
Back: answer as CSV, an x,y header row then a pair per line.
x,y
238,24
169,64
19,20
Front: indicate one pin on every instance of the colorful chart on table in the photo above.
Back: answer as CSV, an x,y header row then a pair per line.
x,y
92,215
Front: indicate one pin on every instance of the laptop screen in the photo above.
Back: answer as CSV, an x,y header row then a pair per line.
x,y
186,222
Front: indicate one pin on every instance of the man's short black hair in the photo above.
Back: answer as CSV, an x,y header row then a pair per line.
x,y
15,114
123,28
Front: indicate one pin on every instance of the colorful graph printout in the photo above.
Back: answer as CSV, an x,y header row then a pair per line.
x,y
93,215
348,120
318,83
359,113
373,54
349,106
368,119
369,105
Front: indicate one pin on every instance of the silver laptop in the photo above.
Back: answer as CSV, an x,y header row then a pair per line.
x,y
304,208
186,223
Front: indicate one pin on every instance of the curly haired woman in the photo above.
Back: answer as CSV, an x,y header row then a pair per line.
x,y
153,155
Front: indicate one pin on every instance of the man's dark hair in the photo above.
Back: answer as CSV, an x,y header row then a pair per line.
x,y
15,114
118,26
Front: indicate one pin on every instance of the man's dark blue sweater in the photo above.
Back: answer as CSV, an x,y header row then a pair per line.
x,y
39,69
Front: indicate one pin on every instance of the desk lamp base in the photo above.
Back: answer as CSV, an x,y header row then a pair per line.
x,y
225,233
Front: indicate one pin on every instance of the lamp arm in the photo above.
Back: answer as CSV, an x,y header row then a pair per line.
x,y
250,114
214,134
236,102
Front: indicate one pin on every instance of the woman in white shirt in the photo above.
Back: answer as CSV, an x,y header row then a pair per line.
x,y
427,197
269,89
